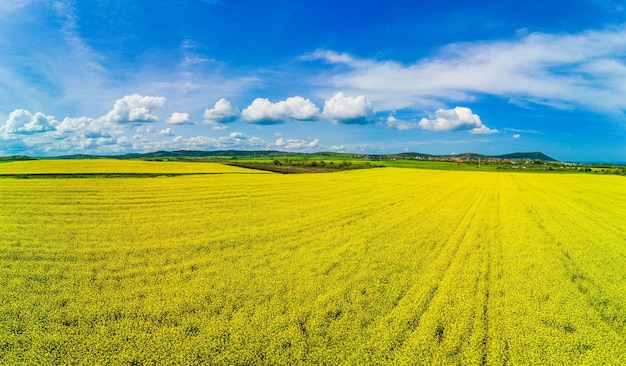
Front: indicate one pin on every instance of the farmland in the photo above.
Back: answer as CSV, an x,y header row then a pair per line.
x,y
373,266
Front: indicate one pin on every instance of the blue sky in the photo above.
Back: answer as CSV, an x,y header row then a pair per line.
x,y
440,77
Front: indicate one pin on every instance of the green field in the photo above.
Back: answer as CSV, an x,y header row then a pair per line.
x,y
371,266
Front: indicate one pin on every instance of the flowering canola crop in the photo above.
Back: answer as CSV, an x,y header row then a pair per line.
x,y
377,266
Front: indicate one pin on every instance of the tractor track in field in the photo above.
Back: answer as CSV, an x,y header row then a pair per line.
x,y
584,284
468,217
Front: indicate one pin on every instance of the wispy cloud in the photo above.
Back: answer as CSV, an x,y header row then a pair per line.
x,y
7,6
59,69
584,70
401,125
517,130
191,57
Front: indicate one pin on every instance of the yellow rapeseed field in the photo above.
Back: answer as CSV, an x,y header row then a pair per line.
x,y
377,266
69,166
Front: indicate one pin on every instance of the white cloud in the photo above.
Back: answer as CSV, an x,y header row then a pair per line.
x,y
280,142
234,140
516,136
82,134
131,108
135,109
256,142
401,125
237,135
218,127
75,124
333,58
296,144
87,135
167,132
22,121
457,119
222,112
264,112
482,130
188,44
348,110
88,127
313,143
11,5
560,70
533,132
191,60
178,118
62,69
124,141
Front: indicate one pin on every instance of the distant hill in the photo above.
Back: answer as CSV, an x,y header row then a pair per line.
x,y
230,154
15,158
526,155
473,156
181,154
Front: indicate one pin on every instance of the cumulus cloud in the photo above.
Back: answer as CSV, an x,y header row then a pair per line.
x,y
559,70
516,136
482,130
167,132
130,110
349,110
83,134
296,144
234,140
264,112
222,112
457,119
75,124
24,122
178,118
135,109
237,135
